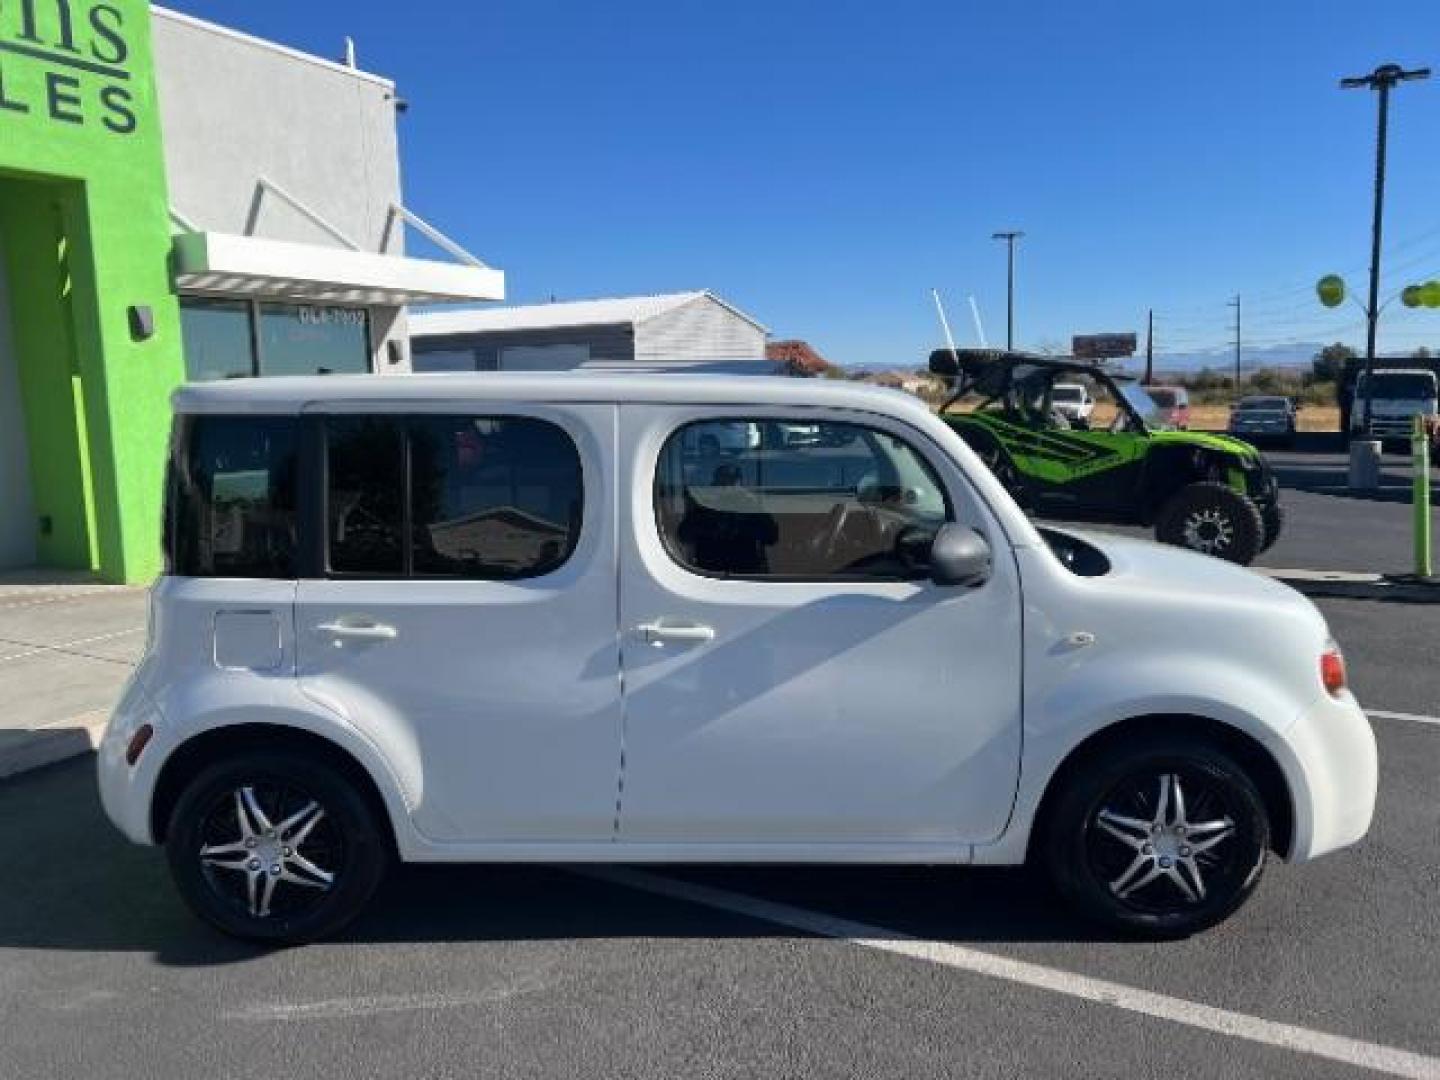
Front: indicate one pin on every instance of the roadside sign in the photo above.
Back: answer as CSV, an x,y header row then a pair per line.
x,y
1102,346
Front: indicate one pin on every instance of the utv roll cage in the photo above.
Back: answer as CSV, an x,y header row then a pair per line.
x,y
995,373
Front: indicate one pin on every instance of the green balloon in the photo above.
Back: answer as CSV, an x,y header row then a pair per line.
x,y
1430,294
1411,296
1331,290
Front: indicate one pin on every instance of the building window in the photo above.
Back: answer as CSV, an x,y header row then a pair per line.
x,y
230,339
490,498
797,501
300,340
218,339
431,359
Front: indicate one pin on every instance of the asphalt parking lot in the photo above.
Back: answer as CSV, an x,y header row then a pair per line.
x,y
1332,970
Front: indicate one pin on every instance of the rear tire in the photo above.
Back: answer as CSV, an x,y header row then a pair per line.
x,y
275,846
1212,519
1160,838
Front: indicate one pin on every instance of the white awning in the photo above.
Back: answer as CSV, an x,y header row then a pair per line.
x,y
230,265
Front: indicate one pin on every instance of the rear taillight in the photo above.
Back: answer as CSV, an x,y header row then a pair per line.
x,y
1332,669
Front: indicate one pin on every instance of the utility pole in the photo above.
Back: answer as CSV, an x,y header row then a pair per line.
x,y
1009,236
1383,79
1150,347
1236,305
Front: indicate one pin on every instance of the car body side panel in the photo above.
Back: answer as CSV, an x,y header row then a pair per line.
x,y
1257,673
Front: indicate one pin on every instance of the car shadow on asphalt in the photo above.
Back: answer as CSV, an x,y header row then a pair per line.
x,y
85,888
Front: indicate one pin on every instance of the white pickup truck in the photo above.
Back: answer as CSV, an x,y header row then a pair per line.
x,y
1072,401
1397,397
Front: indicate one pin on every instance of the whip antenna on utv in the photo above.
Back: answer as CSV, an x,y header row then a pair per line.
x,y
945,326
958,385
979,329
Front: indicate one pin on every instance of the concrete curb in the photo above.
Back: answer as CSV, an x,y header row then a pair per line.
x,y
1344,584
21,751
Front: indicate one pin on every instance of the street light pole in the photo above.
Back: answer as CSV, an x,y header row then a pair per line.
x,y
1009,237
1236,305
1383,79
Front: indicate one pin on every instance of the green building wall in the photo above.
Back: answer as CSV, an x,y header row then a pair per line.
x,y
85,220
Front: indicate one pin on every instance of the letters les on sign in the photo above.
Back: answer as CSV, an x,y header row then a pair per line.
x,y
66,62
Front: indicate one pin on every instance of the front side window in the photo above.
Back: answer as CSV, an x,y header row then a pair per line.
x,y
492,498
231,497
797,501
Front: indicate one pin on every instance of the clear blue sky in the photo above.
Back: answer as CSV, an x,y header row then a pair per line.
x,y
824,165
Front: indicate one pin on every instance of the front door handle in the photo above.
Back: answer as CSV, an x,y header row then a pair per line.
x,y
361,631
657,633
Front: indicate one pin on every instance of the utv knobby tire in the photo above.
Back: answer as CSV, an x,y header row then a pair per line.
x,y
1199,507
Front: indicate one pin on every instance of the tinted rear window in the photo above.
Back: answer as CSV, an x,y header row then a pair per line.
x,y
230,507
487,497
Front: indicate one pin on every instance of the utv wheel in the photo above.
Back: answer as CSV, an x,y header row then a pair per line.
x,y
1273,518
275,846
1213,519
1161,839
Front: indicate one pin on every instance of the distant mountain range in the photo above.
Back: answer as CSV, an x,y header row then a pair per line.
x,y
1296,355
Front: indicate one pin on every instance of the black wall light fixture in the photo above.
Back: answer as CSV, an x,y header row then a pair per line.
x,y
142,322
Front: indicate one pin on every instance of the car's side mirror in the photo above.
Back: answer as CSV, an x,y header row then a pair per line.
x,y
960,556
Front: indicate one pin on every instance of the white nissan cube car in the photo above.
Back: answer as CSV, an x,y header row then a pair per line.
x,y
543,617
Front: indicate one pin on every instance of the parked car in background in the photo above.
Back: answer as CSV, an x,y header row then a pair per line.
x,y
1267,418
1073,401
525,618
1174,403
726,438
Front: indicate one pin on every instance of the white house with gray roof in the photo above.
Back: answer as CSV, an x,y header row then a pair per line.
x,y
671,330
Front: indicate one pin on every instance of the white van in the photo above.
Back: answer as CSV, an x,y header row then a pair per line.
x,y
526,617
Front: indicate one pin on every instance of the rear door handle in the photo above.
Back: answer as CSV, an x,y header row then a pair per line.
x,y
657,633
361,631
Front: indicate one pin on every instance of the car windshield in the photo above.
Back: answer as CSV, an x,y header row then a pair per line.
x,y
1262,404
1142,403
1416,386
1162,396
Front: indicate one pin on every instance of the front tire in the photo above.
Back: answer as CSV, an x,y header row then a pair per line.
x,y
1212,519
275,846
1161,839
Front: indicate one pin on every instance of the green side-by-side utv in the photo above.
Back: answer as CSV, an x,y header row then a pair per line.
x,y
1210,493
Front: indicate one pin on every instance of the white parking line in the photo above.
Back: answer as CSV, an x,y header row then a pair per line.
x,y
61,646
1414,718
1373,1056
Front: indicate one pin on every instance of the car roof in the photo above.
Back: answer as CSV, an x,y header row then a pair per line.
x,y
293,394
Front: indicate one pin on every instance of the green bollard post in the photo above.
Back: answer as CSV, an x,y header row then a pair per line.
x,y
1420,455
